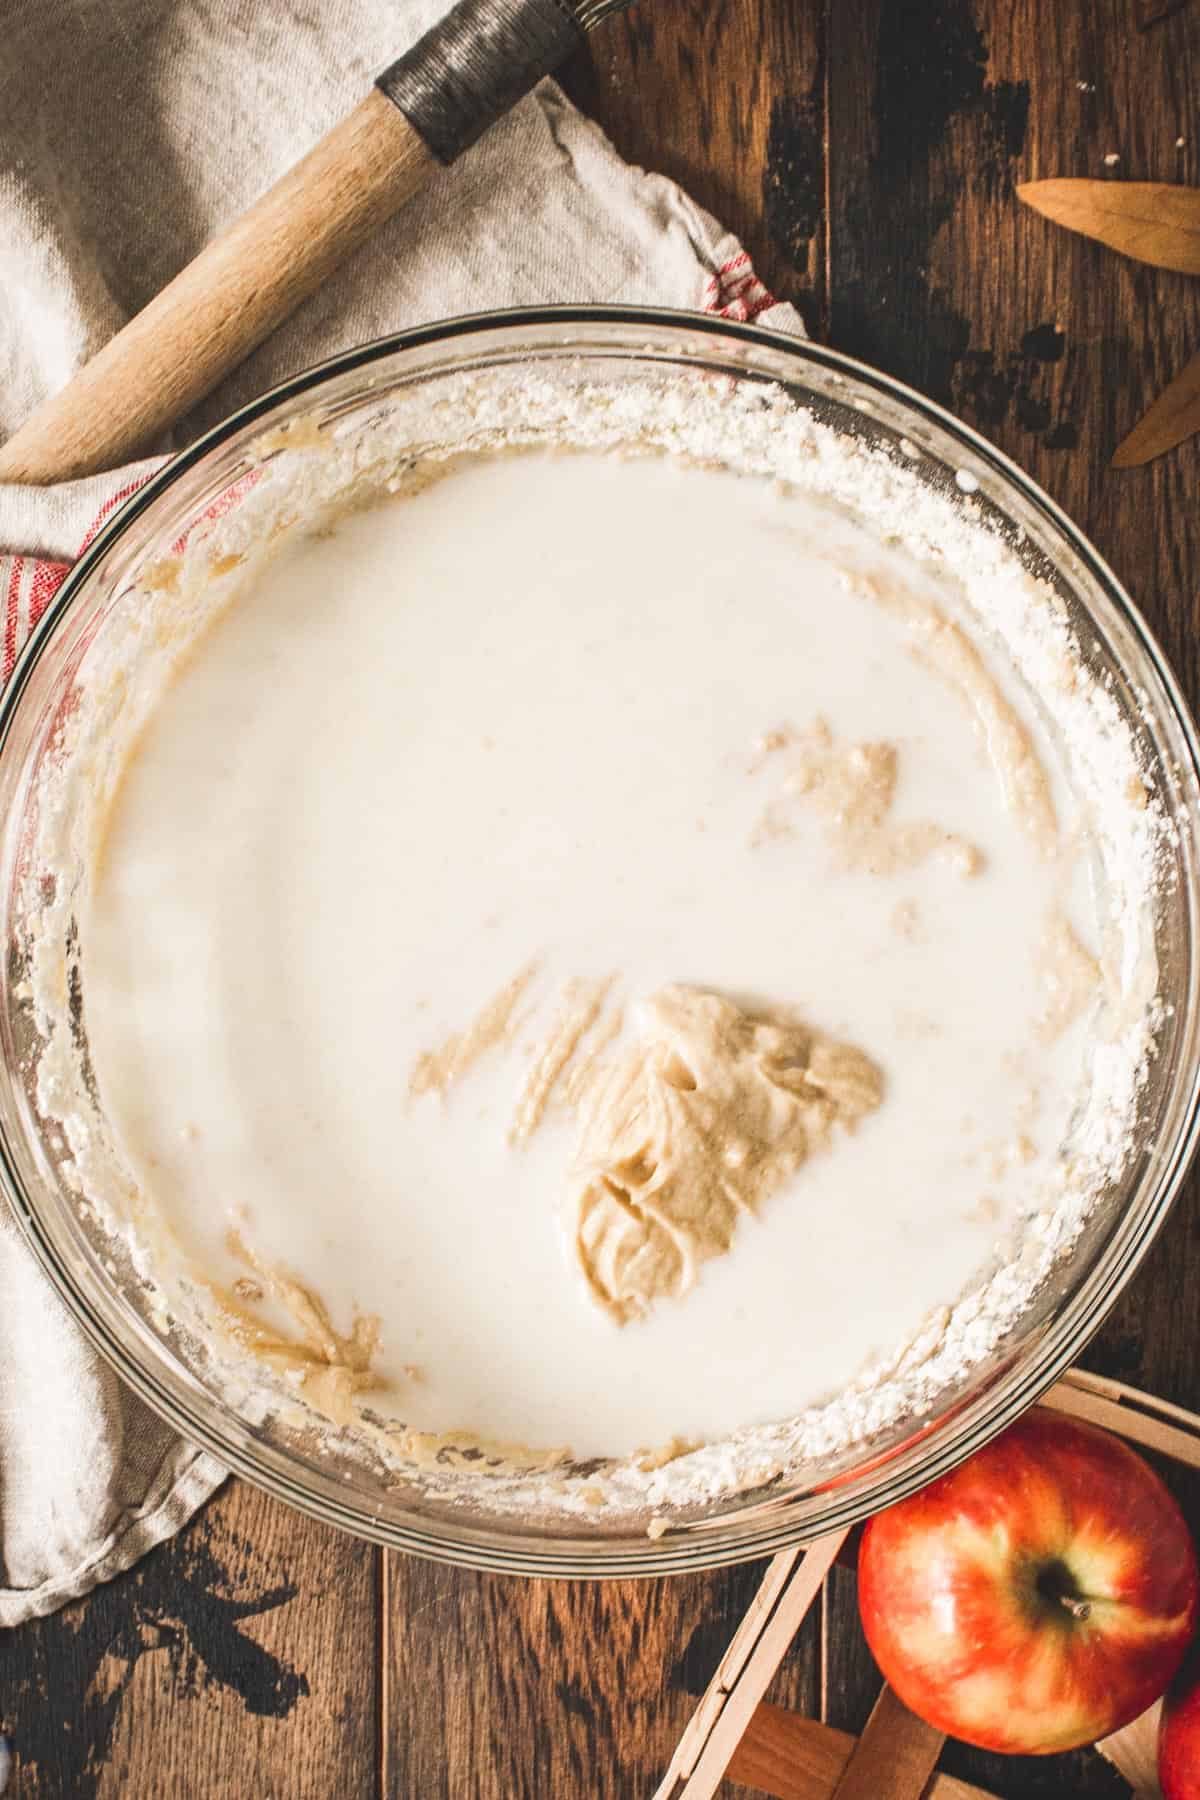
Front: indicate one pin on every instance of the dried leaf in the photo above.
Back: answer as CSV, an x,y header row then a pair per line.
x,y
1174,416
1154,221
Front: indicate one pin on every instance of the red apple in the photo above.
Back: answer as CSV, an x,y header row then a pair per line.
x,y
1038,1597
1179,1735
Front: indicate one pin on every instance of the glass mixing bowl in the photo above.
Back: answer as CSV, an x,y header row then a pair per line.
x,y
614,346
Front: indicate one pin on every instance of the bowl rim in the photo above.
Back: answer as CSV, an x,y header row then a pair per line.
x,y
724,1540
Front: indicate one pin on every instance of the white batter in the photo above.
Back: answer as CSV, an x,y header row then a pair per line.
x,y
559,713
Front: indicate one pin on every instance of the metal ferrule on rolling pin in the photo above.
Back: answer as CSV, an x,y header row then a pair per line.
x,y
475,64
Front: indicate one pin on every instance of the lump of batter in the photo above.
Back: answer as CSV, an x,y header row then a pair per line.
x,y
330,1369
855,789
692,1125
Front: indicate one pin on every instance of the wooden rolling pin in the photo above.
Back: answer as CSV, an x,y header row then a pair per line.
x,y
424,110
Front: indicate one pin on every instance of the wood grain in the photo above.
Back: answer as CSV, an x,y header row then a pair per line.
x,y
1170,1431
743,1645
1149,12
505,1688
792,1758
895,1756
726,97
236,1660
790,1590
850,1681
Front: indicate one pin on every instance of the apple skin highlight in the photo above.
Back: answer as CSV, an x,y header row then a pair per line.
x,y
1036,1598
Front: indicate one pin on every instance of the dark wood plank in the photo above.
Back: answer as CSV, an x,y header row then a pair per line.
x,y
1049,344
1149,12
237,1660
850,1681
1052,347
726,97
514,1690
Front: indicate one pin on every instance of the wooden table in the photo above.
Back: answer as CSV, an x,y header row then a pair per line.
x,y
866,151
